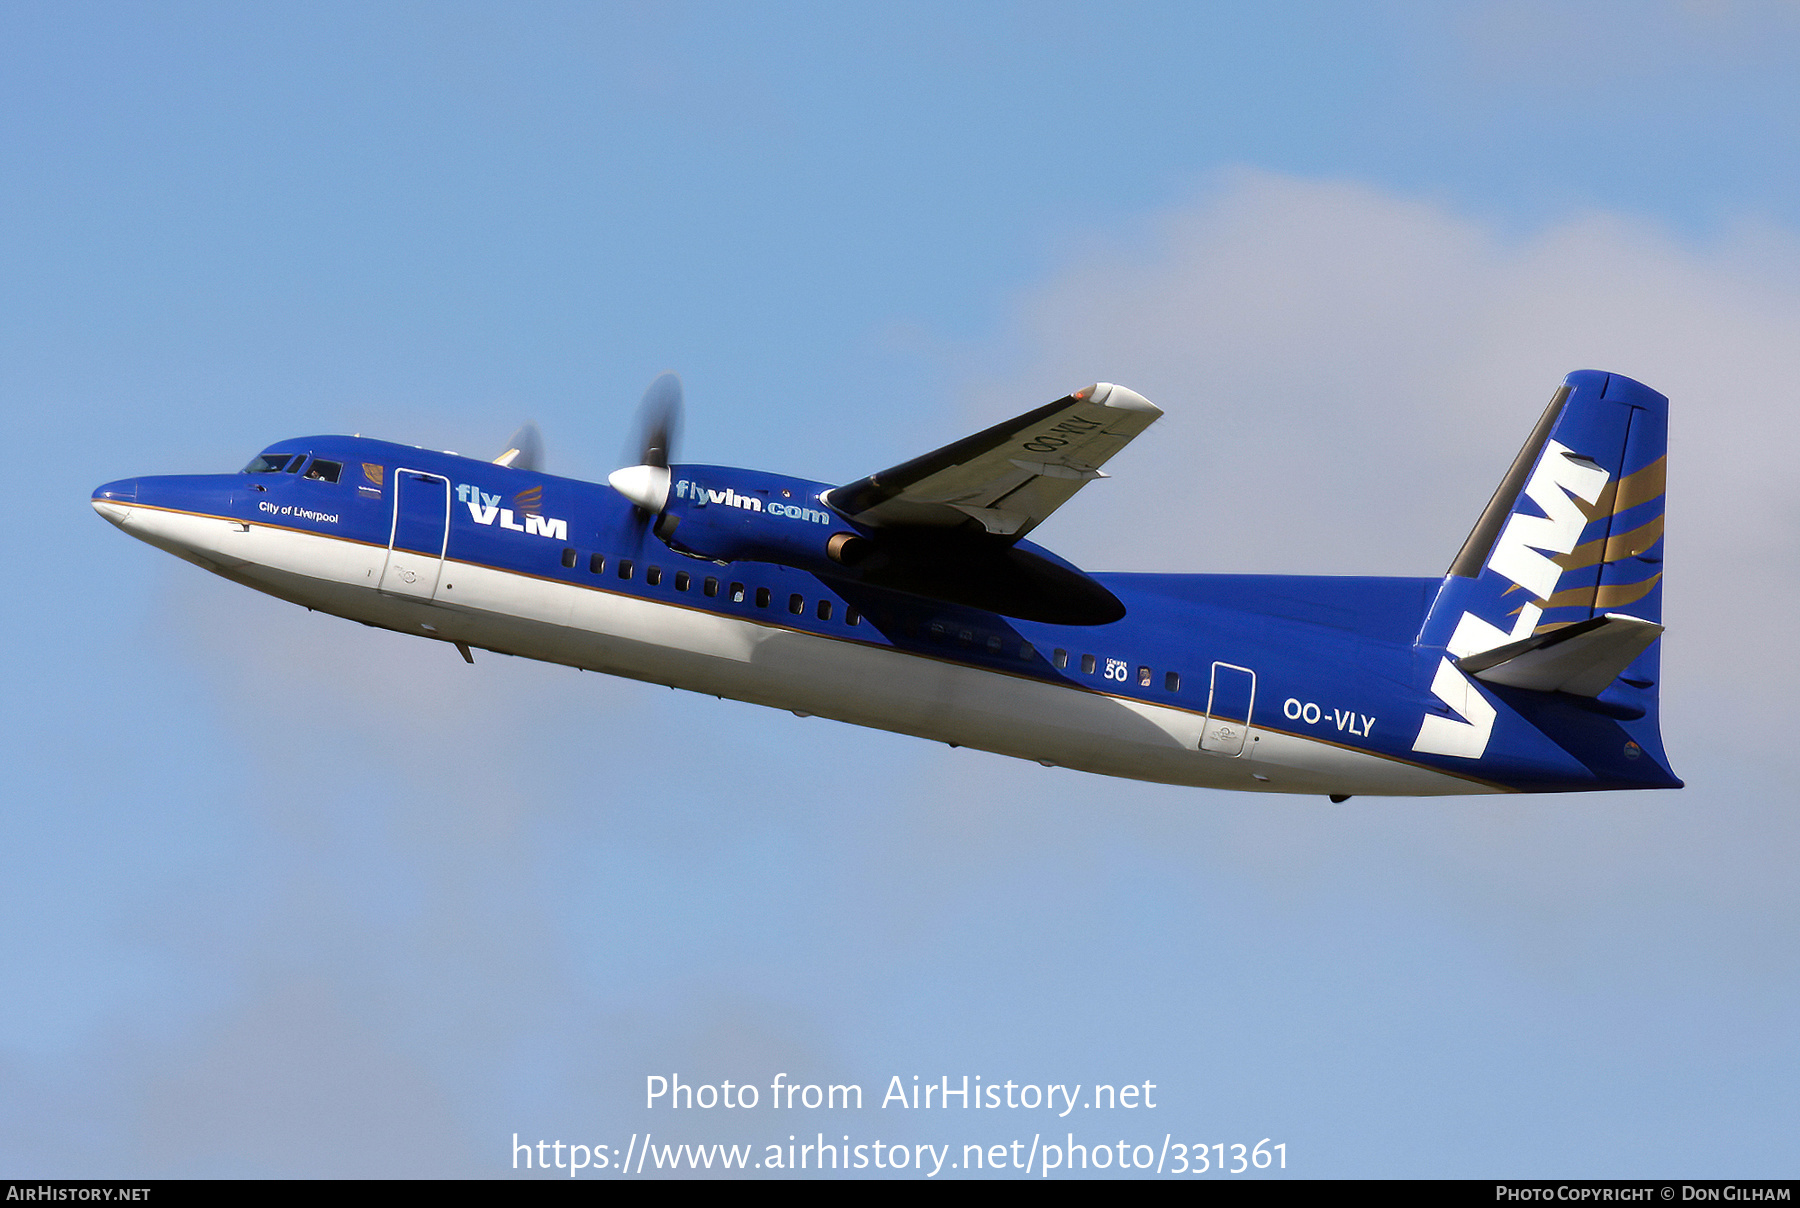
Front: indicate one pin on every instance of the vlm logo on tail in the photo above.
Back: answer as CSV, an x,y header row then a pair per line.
x,y
1556,587
1562,476
1521,555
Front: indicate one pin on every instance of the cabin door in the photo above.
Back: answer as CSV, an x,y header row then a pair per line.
x,y
1228,705
419,535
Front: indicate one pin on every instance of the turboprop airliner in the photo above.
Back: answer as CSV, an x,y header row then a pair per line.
x,y
912,601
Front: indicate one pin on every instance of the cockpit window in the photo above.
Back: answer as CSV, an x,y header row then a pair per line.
x,y
293,467
324,471
271,463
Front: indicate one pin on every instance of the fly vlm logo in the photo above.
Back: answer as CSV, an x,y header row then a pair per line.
x,y
486,509
1523,555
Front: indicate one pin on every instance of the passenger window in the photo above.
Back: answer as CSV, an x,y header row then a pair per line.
x,y
596,563
1143,677
1025,650
569,558
852,617
1060,657
935,631
624,568
796,604
966,636
1172,681
993,644
737,593
1087,664
653,576
762,597
682,579
824,610
710,587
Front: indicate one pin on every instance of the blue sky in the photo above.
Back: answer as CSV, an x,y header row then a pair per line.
x,y
286,896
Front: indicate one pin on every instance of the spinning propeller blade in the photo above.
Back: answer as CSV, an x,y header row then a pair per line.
x,y
658,428
525,451
659,421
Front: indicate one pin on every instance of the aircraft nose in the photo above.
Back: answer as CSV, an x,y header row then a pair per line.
x,y
113,500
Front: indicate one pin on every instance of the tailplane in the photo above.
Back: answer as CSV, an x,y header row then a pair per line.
x,y
1582,659
1556,597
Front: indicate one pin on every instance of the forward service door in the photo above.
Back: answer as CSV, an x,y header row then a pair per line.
x,y
419,536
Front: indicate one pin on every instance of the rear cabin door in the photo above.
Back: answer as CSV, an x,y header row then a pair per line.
x,y
419,536
1228,706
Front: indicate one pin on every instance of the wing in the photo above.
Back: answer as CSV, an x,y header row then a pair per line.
x,y
1009,477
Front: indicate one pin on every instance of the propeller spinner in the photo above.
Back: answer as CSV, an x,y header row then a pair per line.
x,y
658,428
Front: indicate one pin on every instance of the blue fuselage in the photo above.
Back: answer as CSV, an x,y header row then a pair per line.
x,y
1308,684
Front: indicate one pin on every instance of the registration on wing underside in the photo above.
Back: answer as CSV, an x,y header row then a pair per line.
x,y
1009,477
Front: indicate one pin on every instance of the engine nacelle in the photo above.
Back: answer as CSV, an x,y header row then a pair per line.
x,y
730,515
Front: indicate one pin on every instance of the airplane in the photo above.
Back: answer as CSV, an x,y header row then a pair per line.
x,y
911,600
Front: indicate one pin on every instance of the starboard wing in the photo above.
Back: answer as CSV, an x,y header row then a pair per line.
x,y
1009,477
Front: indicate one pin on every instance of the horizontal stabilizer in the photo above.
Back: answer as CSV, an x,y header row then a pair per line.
x,y
1581,659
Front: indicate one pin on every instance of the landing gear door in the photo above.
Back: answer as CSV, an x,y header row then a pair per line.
x,y
1228,705
419,536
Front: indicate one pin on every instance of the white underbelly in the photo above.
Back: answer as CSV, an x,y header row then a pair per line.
x,y
761,661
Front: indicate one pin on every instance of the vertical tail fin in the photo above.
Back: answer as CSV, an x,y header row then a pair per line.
x,y
1570,545
1575,530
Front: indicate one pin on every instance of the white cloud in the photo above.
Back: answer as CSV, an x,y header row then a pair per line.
x,y
1347,374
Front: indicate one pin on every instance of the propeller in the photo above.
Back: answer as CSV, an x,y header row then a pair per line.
x,y
525,450
659,421
658,428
